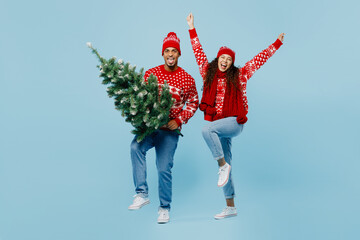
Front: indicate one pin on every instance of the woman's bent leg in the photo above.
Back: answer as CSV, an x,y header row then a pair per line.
x,y
222,128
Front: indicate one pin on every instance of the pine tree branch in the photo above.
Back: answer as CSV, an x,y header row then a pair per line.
x,y
139,103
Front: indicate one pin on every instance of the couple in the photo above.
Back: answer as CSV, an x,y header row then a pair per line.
x,y
223,102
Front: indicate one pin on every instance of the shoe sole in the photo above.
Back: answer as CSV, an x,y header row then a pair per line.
x,y
137,208
226,179
163,222
227,216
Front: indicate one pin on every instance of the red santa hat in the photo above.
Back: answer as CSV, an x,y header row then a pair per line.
x,y
171,41
226,50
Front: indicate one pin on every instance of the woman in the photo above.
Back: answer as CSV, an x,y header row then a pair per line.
x,y
224,104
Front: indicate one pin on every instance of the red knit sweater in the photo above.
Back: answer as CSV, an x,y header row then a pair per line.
x,y
246,72
183,90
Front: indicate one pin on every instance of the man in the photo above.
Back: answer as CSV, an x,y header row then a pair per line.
x,y
183,90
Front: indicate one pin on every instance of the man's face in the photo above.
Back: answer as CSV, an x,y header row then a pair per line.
x,y
171,56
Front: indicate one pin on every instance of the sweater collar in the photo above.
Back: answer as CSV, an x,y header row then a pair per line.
x,y
167,72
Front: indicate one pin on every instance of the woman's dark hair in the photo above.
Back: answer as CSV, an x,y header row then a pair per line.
x,y
232,75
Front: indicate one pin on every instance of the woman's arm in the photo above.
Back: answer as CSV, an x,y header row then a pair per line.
x,y
281,37
254,64
200,56
190,21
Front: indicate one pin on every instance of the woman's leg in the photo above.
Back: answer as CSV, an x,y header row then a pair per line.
x,y
230,202
212,133
228,189
218,136
222,128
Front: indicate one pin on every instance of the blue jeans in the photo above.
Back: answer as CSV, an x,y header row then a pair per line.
x,y
217,135
165,143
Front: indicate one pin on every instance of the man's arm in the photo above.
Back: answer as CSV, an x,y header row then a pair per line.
x,y
192,103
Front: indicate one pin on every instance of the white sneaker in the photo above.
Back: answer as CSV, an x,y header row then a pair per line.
x,y
227,212
224,173
138,202
163,215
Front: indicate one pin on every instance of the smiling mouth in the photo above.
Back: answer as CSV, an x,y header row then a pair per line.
x,y
171,60
223,66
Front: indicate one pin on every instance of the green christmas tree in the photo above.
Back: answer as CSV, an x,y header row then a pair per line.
x,y
143,104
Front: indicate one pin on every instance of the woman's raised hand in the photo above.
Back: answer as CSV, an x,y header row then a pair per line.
x,y
281,37
190,20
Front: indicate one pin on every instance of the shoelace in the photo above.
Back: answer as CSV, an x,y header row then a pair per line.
x,y
162,213
137,198
226,210
222,169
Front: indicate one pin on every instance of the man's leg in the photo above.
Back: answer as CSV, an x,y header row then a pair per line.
x,y
165,146
138,160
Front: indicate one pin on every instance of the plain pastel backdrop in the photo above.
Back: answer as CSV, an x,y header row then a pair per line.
x,y
65,171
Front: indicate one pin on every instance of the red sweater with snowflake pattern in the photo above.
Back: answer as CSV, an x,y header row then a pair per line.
x,y
183,90
246,72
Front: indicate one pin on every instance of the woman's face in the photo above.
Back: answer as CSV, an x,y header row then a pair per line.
x,y
224,62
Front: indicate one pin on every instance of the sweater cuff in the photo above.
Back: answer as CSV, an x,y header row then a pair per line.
x,y
193,33
277,44
178,122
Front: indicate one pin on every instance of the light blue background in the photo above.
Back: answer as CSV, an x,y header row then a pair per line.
x,y
65,172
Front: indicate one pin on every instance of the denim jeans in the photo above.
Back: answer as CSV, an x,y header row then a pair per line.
x,y
165,143
217,135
